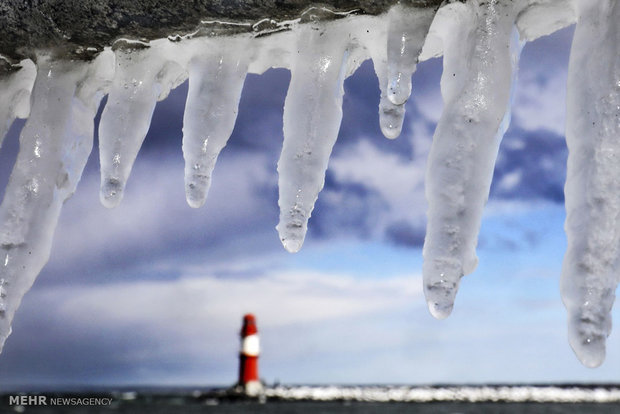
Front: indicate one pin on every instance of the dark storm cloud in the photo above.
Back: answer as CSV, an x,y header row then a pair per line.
x,y
405,234
88,354
351,209
259,119
549,52
530,166
8,153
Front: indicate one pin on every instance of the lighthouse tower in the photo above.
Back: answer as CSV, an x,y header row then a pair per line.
x,y
248,357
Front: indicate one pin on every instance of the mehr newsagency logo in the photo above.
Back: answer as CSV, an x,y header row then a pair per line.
x,y
38,400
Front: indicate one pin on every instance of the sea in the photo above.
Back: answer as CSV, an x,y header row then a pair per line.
x,y
500,399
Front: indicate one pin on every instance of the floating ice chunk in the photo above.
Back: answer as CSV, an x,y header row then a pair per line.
x,y
15,90
312,115
142,77
215,82
54,146
480,54
590,270
408,27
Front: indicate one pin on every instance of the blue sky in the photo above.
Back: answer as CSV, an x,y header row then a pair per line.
x,y
153,292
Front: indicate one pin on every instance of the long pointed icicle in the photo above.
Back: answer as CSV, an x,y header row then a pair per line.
x,y
15,90
142,77
591,272
54,146
476,84
215,83
312,116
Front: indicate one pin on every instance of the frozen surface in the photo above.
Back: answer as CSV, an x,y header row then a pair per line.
x,y
476,82
590,271
321,48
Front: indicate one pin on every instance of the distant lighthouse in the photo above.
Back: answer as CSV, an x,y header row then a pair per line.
x,y
248,357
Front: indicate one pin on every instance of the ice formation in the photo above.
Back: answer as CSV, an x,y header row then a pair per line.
x,y
480,41
15,92
215,83
54,146
312,115
478,64
590,271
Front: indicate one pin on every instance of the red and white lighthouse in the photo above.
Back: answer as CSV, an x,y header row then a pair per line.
x,y
248,357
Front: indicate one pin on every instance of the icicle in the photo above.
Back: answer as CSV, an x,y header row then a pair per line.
x,y
590,272
54,147
312,115
390,116
215,82
476,84
408,27
142,78
15,90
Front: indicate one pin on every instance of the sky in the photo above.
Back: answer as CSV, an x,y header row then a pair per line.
x,y
153,291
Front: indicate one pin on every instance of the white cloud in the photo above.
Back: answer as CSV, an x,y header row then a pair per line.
x,y
398,180
176,305
510,180
194,321
154,216
540,98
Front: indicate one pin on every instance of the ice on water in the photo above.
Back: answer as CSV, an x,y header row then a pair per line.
x,y
480,45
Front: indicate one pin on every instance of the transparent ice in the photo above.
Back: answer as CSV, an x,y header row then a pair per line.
x,y
54,146
480,41
215,82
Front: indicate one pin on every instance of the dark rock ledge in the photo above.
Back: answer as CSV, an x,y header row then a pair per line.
x,y
84,27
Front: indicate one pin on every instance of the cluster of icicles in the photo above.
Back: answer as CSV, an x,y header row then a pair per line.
x,y
480,41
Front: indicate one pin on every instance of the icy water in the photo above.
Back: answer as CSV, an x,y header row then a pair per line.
x,y
310,407
593,399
